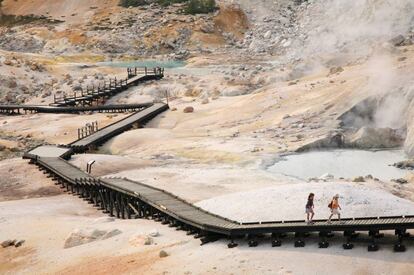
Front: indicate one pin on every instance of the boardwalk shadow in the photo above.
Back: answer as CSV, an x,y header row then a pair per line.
x,y
385,252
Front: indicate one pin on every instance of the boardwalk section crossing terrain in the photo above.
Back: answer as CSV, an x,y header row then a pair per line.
x,y
110,88
84,101
118,127
124,198
28,109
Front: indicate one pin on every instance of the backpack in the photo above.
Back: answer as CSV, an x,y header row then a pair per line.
x,y
330,205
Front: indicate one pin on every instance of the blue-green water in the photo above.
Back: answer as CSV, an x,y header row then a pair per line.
x,y
169,64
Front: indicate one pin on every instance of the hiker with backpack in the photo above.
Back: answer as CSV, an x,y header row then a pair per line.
x,y
335,207
309,209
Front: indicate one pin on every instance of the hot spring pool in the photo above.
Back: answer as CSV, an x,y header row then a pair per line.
x,y
341,163
169,64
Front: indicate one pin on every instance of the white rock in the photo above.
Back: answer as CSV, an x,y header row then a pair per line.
x,y
82,236
154,233
104,220
111,234
287,44
267,35
234,91
326,176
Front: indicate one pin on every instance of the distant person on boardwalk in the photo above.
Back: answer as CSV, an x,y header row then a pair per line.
x,y
309,209
335,207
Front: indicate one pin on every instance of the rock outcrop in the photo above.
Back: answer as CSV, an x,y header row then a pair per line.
x,y
409,141
367,137
83,236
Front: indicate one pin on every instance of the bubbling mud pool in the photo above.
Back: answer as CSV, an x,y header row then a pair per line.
x,y
341,163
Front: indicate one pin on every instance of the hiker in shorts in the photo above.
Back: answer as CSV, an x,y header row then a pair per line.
x,y
335,207
309,209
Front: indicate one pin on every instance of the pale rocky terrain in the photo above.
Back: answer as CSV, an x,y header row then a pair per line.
x,y
265,78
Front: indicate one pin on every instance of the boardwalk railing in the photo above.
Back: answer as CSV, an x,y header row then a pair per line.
x,y
157,71
96,93
88,129
107,132
91,94
90,97
118,108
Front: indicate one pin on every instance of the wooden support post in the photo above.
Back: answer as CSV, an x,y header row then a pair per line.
x,y
299,240
232,244
128,210
348,244
132,208
323,242
139,209
373,246
399,246
252,240
275,240
117,205
122,206
97,199
105,195
111,203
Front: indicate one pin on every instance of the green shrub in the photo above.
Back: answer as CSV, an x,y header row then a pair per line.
x,y
132,3
200,6
10,20
191,7
165,3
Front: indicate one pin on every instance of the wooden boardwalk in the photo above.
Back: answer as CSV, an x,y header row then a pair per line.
x,y
124,198
50,151
129,199
95,94
91,99
171,205
118,127
112,108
